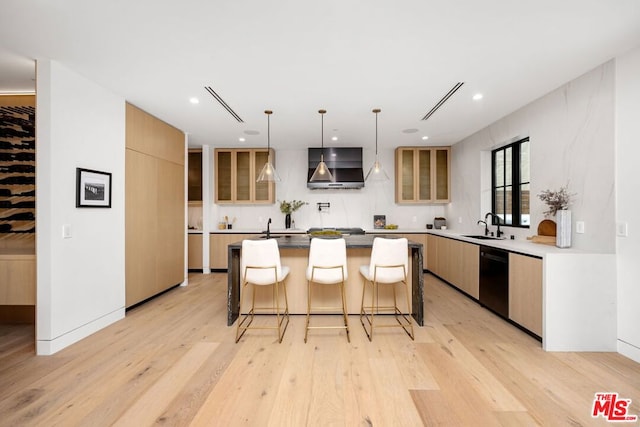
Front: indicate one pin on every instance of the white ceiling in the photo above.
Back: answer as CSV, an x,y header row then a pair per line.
x,y
295,57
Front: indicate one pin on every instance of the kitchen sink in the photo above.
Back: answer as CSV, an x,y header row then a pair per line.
x,y
481,237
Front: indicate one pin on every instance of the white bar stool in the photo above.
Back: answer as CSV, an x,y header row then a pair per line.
x,y
327,266
260,266
389,265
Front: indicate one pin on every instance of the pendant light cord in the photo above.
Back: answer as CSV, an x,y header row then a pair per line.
x,y
376,111
376,135
322,112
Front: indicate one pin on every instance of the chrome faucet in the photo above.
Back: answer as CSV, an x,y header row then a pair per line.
x,y
268,231
498,219
486,227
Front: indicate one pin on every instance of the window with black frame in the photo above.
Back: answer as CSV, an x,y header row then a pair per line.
x,y
510,184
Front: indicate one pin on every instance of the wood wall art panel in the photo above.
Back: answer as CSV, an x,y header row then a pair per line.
x,y
17,170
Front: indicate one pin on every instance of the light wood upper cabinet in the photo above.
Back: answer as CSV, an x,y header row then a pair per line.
x,y
525,292
422,174
194,177
236,171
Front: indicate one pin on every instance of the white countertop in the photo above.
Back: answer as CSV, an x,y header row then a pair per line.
x,y
251,231
518,245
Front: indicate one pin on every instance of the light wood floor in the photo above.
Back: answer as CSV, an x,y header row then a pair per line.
x,y
173,361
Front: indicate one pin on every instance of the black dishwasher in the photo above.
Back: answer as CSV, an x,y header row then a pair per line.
x,y
494,280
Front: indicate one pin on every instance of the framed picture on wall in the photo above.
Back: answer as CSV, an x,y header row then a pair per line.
x,y
379,221
93,189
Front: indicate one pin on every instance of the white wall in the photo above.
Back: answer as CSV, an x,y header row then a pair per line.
x,y
349,208
81,283
572,141
628,203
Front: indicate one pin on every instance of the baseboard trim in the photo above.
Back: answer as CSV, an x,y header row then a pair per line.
x,y
48,347
628,350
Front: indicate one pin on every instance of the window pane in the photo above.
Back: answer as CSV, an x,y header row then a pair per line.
x,y
508,165
499,168
499,201
511,176
508,212
524,162
524,204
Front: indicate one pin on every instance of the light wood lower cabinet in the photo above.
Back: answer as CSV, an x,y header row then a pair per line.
x,y
455,261
17,279
525,292
458,263
218,251
194,259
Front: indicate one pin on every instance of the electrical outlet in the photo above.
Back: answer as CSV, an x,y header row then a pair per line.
x,y
621,229
260,219
66,231
414,219
580,227
459,220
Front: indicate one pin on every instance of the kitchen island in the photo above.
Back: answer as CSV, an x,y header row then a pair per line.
x,y
294,253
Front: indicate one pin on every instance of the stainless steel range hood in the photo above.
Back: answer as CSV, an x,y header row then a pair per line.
x,y
345,163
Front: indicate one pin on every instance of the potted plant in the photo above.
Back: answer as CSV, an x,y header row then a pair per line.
x,y
287,208
558,203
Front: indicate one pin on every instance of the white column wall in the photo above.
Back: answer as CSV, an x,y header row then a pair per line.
x,y
628,202
80,280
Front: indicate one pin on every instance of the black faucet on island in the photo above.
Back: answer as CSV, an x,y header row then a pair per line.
x,y
498,219
268,231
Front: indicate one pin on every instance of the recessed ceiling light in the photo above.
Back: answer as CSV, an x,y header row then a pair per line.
x,y
194,100
334,138
424,138
477,97
241,139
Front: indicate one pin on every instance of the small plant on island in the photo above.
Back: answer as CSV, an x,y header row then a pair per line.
x,y
291,207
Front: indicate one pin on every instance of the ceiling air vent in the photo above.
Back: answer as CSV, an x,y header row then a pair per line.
x,y
443,100
224,104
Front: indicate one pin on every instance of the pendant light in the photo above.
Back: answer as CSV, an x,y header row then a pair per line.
x,y
322,172
268,172
376,173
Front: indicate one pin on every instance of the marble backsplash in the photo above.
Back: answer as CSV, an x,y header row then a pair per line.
x,y
572,141
348,208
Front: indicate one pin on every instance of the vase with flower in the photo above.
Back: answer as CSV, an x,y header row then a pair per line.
x,y
558,203
287,208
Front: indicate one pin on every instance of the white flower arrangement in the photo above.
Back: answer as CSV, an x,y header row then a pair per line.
x,y
556,200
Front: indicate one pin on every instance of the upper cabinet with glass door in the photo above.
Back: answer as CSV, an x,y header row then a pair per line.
x,y
194,177
422,175
236,171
